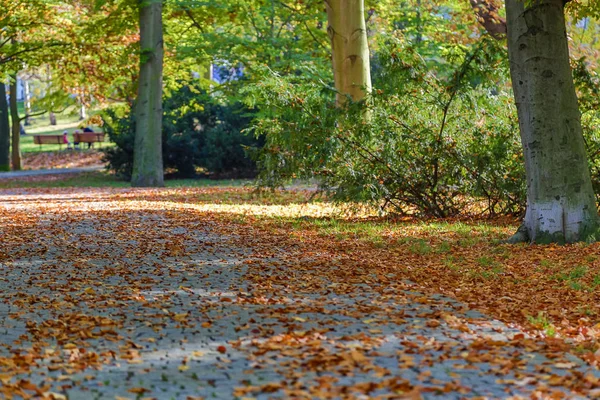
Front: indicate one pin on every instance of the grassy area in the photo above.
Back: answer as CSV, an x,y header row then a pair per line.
x,y
67,120
68,116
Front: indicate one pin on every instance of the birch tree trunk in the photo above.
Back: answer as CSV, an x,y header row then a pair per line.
x,y
27,101
349,48
16,125
561,206
51,115
147,156
82,110
4,131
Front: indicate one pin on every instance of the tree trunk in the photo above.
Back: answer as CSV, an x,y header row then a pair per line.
x,y
16,125
49,77
147,156
561,205
27,101
349,47
4,131
82,110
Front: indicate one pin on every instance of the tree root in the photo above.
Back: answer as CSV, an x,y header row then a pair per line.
x,y
520,236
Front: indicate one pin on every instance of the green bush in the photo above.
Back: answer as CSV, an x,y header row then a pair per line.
x,y
198,133
587,83
426,142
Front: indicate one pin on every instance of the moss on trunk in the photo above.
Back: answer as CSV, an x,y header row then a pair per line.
x,y
4,131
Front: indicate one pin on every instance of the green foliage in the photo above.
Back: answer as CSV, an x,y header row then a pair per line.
x,y
425,141
198,133
587,84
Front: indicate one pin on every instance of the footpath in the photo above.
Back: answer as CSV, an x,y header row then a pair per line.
x,y
54,171
115,294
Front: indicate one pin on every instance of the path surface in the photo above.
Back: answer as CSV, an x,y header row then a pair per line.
x,y
53,171
127,293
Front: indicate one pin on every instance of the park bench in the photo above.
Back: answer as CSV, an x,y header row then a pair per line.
x,y
48,139
88,137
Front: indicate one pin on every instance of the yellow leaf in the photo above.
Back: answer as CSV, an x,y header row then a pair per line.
x,y
180,317
54,396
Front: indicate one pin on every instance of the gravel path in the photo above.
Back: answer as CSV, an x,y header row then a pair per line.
x,y
147,304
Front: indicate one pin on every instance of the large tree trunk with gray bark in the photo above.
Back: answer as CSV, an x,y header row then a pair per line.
x,y
561,204
349,47
4,131
147,156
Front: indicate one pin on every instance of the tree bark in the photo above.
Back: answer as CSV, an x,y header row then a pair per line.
x,y
16,125
4,131
349,49
561,205
147,157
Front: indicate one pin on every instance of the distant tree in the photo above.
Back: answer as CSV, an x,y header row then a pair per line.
x,y
147,157
561,205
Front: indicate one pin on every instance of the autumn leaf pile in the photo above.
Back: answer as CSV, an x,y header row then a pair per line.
x,y
95,266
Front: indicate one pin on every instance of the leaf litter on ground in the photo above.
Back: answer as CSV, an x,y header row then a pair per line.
x,y
87,257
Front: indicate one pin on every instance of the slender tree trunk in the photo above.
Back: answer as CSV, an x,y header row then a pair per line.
x,y
49,77
27,101
561,205
147,157
336,36
16,125
208,74
82,110
349,47
4,131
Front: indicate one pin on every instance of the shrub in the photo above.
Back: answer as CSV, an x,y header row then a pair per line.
x,y
425,142
198,133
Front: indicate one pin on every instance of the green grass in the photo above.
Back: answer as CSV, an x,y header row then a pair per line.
x,y
542,322
67,120
371,231
420,247
69,116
